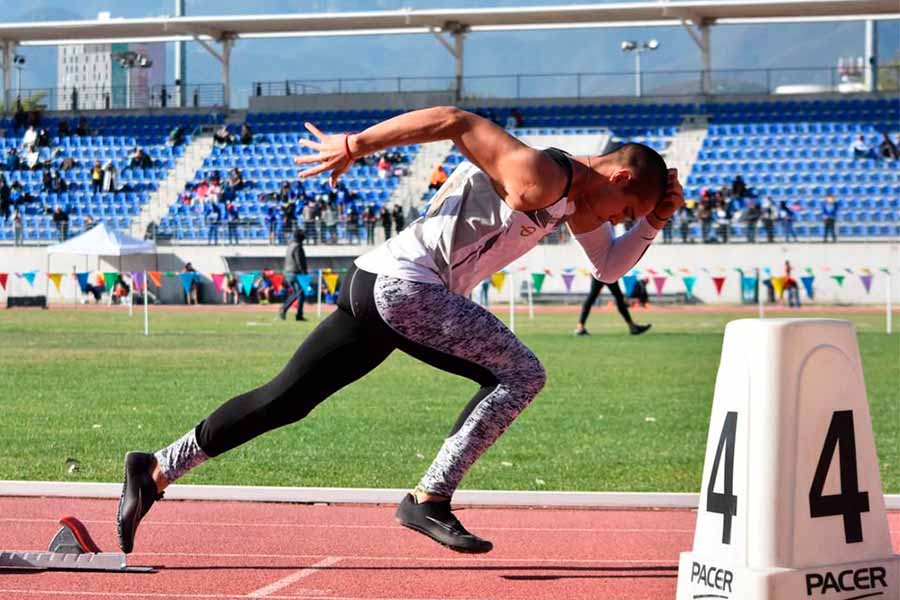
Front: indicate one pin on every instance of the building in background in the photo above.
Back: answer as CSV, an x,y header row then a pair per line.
x,y
93,76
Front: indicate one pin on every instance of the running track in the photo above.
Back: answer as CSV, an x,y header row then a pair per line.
x,y
225,550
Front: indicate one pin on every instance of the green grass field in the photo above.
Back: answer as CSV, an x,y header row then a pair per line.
x,y
618,412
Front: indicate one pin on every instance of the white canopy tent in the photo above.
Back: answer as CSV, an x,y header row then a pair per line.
x,y
103,241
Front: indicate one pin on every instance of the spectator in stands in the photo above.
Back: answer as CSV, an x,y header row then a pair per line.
x,y
213,219
201,194
859,148
33,160
667,232
887,149
176,136
57,183
234,219
786,216
82,129
43,138
294,265
705,215
12,160
246,135
351,217
438,177
89,223
236,179
194,290
829,214
384,167
370,218
723,222
96,177
17,226
109,176
20,118
386,222
45,181
790,287
68,163
30,137
768,215
214,190
329,224
272,223
515,119
399,219
288,216
230,289
222,137
62,129
61,220
140,160
5,196
751,216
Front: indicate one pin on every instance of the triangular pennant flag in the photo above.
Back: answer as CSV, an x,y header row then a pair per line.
x,y
187,280
499,277
277,280
304,281
659,281
689,281
885,270
137,281
866,281
29,277
808,285
3,279
669,272
778,286
218,279
55,278
809,270
630,281
170,274
537,281
748,285
331,280
82,278
109,279
839,279
719,281
247,280
155,277
568,278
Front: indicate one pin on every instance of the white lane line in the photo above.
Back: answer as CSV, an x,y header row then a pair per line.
x,y
294,577
599,562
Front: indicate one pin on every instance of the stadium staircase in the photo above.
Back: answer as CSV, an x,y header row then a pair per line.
x,y
414,187
182,172
685,146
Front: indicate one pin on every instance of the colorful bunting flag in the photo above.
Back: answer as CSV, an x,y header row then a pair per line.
x,y
218,279
82,278
277,281
809,270
155,277
885,270
659,281
808,285
630,281
55,278
170,274
137,281
498,278
3,278
689,281
331,281
669,272
187,280
537,281
866,281
719,281
109,279
29,277
748,286
778,286
247,280
568,278
839,279
304,281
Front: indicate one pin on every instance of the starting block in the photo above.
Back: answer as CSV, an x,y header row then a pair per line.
x,y
791,505
71,549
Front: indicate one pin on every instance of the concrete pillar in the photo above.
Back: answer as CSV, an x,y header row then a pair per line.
x,y
180,62
871,55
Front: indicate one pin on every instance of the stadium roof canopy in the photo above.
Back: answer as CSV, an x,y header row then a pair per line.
x,y
695,15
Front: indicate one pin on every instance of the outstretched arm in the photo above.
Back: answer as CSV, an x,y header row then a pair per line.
x,y
525,177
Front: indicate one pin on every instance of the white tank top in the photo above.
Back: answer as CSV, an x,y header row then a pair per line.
x,y
468,233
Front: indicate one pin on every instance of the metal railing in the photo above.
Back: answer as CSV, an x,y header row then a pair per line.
x,y
589,85
205,95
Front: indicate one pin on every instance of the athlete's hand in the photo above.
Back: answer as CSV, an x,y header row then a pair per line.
x,y
331,154
672,200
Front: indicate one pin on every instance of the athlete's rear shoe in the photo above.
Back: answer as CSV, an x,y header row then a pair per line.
x,y
138,495
436,520
581,331
639,329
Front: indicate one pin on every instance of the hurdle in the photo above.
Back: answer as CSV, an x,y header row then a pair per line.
x,y
791,504
71,549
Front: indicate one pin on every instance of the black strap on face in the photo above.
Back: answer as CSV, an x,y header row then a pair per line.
x,y
562,158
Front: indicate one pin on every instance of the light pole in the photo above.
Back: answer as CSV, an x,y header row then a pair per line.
x,y
129,60
19,63
631,46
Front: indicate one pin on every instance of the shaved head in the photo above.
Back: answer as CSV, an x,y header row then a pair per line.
x,y
648,170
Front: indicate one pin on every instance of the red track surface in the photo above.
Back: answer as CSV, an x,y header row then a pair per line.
x,y
235,550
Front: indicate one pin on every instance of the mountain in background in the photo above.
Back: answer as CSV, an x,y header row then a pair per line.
x,y
507,53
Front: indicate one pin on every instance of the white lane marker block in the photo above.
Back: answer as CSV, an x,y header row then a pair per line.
x,y
791,506
294,577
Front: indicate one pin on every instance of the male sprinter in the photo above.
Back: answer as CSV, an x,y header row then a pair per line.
x,y
411,293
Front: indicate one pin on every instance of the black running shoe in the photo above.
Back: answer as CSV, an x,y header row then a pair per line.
x,y
436,520
138,495
580,332
639,329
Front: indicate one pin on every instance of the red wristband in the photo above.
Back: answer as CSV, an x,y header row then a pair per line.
x,y
347,146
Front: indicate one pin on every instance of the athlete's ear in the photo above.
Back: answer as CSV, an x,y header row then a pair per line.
x,y
621,177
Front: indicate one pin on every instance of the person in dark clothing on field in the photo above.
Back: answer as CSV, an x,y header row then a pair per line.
x,y
294,265
616,291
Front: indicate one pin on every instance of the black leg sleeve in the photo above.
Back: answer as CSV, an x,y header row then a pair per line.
x,y
620,301
596,286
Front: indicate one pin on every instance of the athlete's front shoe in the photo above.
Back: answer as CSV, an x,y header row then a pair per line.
x,y
436,520
138,495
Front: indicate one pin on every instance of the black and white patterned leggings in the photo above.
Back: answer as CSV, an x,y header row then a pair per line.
x,y
375,316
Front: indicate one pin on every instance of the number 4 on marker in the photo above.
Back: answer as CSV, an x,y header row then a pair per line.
x,y
725,503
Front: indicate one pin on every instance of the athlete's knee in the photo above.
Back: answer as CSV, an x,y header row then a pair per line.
x,y
530,376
